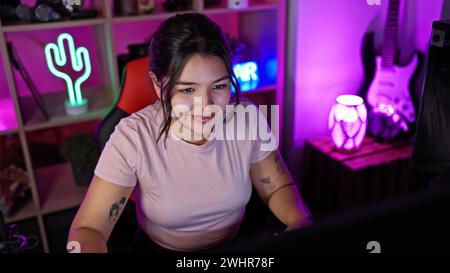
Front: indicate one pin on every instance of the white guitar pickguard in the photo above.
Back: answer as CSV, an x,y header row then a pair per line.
x,y
391,86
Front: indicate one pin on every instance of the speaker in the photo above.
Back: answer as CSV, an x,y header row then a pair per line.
x,y
431,153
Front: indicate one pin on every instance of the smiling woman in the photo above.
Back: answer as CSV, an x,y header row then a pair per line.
x,y
199,56
203,82
191,194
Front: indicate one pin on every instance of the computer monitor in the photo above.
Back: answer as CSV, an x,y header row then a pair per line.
x,y
431,154
412,223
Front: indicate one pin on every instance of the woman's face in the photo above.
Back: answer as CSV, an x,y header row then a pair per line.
x,y
204,80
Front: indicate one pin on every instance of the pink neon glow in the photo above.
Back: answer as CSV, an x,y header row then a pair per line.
x,y
8,119
347,122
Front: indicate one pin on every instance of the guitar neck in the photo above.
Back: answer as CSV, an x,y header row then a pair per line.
x,y
390,34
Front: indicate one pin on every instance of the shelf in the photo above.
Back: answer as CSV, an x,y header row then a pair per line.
x,y
9,132
8,120
27,211
51,25
99,101
254,5
57,188
261,89
158,13
264,95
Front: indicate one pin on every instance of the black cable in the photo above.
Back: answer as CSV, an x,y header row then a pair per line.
x,y
3,229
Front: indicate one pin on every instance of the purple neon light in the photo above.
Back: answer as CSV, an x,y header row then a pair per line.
x,y
8,119
347,122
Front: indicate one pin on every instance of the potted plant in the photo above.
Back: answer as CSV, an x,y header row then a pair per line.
x,y
82,153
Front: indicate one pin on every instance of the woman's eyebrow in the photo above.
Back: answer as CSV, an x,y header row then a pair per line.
x,y
222,78
194,83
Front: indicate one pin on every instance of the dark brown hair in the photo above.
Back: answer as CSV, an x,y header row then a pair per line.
x,y
175,40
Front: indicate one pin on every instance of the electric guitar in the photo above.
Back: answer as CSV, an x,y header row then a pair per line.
x,y
389,91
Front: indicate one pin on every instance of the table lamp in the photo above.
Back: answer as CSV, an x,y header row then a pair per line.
x,y
348,122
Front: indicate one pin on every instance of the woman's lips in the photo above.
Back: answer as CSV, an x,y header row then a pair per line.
x,y
203,120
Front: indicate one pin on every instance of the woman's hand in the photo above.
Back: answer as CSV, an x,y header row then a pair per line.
x,y
297,225
277,188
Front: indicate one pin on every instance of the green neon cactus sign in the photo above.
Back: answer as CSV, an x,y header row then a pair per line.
x,y
79,58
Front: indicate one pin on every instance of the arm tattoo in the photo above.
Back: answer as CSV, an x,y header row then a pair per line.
x,y
115,209
280,168
268,183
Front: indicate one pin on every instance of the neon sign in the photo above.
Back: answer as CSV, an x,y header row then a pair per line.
x,y
79,58
247,74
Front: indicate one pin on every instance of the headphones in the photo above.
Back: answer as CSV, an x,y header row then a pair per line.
x,y
11,241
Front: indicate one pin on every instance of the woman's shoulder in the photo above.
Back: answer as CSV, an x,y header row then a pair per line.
x,y
245,102
246,108
142,120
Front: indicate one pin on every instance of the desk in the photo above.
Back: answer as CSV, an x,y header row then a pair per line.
x,y
335,181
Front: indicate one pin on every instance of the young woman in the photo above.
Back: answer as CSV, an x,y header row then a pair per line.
x,y
191,189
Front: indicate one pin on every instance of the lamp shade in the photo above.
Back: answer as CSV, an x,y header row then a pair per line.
x,y
347,122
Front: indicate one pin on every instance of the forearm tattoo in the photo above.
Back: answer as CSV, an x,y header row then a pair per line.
x,y
115,209
269,185
269,188
279,165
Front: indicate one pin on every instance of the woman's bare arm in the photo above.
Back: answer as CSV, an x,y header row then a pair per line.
x,y
99,212
276,187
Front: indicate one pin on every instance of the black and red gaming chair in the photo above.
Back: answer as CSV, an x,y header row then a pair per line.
x,y
136,92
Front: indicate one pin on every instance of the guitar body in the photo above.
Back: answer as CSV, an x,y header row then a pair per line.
x,y
389,89
391,86
377,81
